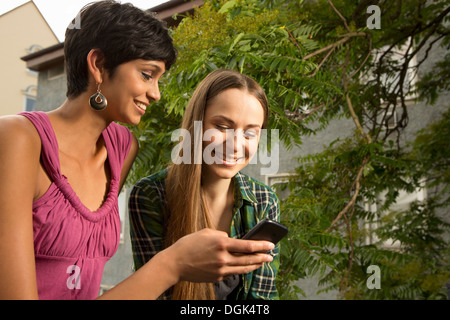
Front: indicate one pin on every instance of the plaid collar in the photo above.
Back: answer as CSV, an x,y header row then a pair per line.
x,y
242,190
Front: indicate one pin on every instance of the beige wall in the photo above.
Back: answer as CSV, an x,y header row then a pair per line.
x,y
20,29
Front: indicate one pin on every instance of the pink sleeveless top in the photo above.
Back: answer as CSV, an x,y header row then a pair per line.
x,y
72,243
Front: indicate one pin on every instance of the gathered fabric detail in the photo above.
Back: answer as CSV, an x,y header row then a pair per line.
x,y
71,242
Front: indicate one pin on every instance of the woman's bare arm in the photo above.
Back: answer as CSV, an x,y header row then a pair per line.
x,y
19,164
205,256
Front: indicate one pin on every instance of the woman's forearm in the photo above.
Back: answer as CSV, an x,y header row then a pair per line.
x,y
147,283
204,256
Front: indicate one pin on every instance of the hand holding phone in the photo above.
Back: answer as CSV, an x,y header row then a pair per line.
x,y
268,230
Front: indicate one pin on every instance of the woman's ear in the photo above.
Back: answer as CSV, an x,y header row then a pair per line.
x,y
95,61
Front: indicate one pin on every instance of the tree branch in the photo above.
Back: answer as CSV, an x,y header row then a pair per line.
x,y
330,46
350,104
293,39
344,281
345,38
357,184
340,16
321,63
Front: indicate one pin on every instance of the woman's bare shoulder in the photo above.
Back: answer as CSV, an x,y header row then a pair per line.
x,y
18,134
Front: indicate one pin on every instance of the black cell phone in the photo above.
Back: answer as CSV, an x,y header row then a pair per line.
x,y
268,230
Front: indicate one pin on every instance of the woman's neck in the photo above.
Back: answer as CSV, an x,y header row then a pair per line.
x,y
215,188
219,198
78,128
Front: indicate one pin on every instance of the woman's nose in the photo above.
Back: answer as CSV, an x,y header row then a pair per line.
x,y
235,141
153,93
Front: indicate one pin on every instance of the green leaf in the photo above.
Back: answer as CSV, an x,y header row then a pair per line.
x,y
227,6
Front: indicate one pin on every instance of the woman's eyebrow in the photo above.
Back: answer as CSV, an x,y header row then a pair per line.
x,y
224,118
232,122
158,68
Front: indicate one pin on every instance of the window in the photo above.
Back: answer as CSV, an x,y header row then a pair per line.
x,y
29,93
34,48
278,180
30,104
389,117
403,202
391,79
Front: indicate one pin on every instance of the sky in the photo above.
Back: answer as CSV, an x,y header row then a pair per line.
x,y
59,13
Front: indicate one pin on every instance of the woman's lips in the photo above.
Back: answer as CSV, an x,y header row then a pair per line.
x,y
141,106
229,161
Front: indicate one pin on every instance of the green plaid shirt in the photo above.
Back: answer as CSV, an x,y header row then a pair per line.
x,y
254,201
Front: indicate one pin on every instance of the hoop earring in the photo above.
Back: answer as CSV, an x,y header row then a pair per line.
x,y
98,101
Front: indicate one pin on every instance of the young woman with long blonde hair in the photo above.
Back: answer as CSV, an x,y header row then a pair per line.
x,y
231,109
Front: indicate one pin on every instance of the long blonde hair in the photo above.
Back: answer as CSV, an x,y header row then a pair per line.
x,y
186,206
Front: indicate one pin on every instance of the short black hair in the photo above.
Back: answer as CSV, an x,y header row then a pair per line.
x,y
122,32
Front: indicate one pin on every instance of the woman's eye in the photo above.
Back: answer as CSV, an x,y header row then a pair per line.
x,y
146,76
222,128
251,134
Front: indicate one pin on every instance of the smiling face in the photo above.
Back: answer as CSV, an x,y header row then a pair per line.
x,y
232,126
132,88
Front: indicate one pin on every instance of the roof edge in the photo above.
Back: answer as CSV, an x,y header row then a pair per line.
x,y
54,54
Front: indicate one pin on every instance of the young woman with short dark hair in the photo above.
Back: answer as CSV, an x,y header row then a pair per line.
x,y
62,171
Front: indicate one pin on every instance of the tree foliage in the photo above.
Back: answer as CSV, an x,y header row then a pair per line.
x,y
319,62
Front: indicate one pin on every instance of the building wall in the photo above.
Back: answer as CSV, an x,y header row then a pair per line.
x,y
51,92
22,30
